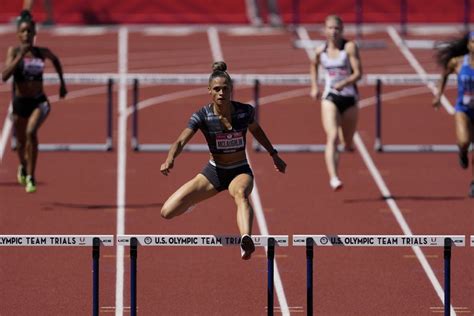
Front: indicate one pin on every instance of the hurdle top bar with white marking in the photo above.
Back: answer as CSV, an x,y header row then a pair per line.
x,y
379,240
199,240
300,79
54,240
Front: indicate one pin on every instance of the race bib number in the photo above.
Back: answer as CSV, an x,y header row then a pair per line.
x,y
33,66
468,100
337,74
226,141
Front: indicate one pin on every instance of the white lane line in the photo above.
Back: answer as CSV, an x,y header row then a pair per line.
x,y
304,36
417,66
215,44
394,207
121,165
398,215
7,126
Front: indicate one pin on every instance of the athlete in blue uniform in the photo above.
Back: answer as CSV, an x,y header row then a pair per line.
x,y
224,124
341,62
30,105
457,56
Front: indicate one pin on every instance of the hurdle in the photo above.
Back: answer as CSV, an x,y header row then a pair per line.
x,y
284,148
66,241
379,241
89,147
160,147
402,148
198,241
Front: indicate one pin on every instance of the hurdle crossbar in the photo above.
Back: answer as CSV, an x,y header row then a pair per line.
x,y
66,241
199,241
161,147
401,148
107,146
284,148
380,241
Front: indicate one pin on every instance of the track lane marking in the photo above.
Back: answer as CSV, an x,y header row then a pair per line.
x,y
121,165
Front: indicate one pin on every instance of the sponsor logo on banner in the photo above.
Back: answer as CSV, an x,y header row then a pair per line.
x,y
82,240
148,240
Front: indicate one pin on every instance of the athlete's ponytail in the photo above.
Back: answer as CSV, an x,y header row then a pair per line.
x,y
451,48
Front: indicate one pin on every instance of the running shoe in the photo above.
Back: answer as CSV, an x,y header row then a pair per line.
x,y
471,190
21,175
463,159
335,184
246,247
30,184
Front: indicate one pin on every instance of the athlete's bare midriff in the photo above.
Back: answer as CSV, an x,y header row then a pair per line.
x,y
28,88
229,158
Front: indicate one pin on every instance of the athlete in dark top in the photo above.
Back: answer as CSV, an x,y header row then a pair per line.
x,y
224,123
30,105
457,56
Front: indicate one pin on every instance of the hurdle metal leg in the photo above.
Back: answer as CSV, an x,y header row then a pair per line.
x,y
447,276
270,265
95,276
133,276
309,276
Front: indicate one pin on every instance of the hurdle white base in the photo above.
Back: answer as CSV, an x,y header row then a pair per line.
x,y
297,148
75,147
425,148
72,147
166,147
107,146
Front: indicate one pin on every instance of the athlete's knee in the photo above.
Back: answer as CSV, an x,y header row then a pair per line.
x,y
31,135
332,139
240,195
166,212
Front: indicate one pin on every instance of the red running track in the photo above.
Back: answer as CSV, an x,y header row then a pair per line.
x,y
78,194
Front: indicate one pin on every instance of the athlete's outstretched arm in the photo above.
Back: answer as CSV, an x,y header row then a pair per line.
x,y
176,149
262,138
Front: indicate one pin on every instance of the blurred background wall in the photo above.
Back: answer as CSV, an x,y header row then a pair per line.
x,y
235,11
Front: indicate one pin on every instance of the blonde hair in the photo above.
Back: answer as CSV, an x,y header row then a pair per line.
x,y
335,17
